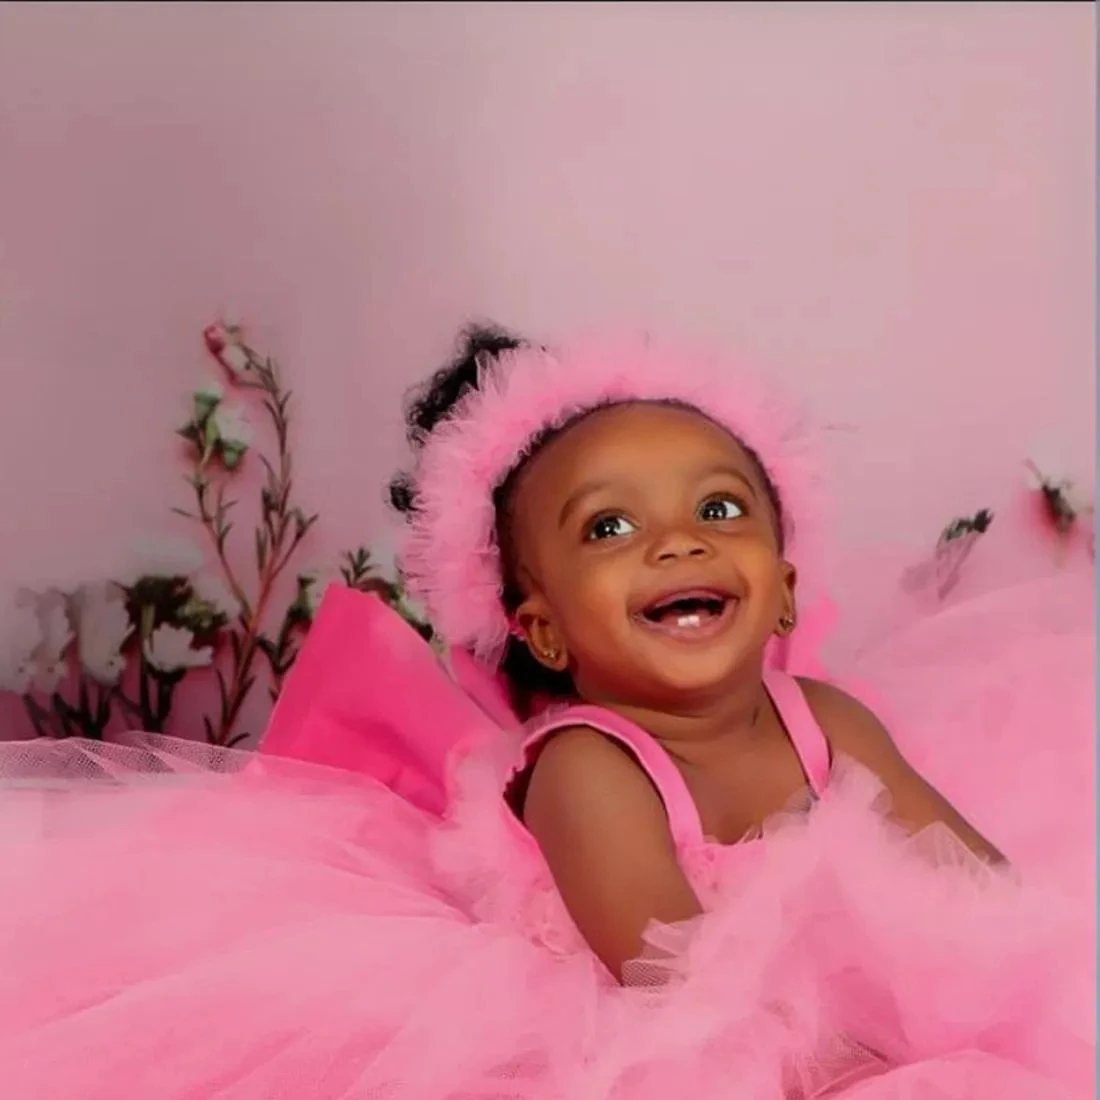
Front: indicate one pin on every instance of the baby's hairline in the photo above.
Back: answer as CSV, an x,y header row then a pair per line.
x,y
505,490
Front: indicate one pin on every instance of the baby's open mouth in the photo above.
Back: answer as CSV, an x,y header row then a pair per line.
x,y
696,611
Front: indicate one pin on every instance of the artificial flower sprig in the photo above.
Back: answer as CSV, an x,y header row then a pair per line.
x,y
123,647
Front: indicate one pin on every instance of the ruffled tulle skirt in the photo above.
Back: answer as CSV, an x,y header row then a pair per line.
x,y
185,923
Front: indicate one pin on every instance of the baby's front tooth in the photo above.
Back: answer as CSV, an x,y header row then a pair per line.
x,y
688,620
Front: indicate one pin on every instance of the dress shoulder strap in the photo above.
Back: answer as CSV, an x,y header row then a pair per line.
x,y
802,728
683,817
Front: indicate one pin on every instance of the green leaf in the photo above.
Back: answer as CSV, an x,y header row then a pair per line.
x,y
223,692
261,548
231,456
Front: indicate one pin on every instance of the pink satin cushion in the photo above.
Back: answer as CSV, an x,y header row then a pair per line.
x,y
367,694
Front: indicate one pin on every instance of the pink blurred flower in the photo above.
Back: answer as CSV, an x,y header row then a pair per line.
x,y
223,342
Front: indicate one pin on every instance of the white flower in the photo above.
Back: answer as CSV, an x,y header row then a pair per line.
x,y
234,358
211,590
162,556
57,634
102,627
169,649
1079,500
233,434
233,427
22,638
38,634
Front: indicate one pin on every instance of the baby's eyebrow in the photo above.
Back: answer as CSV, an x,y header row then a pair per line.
x,y
586,489
725,469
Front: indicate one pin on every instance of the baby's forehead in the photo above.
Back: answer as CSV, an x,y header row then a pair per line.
x,y
621,439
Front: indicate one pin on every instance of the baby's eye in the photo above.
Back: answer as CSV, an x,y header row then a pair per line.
x,y
609,527
717,509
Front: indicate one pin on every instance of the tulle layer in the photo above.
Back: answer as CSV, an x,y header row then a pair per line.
x,y
262,937
185,923
993,700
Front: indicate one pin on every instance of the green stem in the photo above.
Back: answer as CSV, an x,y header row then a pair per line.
x,y
85,715
39,716
166,690
278,522
62,710
102,709
146,681
209,523
129,707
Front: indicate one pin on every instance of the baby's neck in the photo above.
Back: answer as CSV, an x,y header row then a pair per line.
x,y
693,725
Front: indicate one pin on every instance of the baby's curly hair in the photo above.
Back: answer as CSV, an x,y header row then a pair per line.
x,y
430,404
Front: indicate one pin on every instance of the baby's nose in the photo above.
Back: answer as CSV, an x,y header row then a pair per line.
x,y
676,544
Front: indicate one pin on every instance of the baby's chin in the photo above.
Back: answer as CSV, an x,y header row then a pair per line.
x,y
689,679
692,691
655,673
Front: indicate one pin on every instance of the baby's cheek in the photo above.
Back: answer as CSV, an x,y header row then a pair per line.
x,y
595,624
762,568
602,605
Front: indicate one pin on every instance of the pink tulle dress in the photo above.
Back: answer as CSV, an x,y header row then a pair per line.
x,y
184,923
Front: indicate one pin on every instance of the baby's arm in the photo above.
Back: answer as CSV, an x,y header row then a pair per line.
x,y
604,833
854,731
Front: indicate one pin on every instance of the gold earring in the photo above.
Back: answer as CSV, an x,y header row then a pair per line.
x,y
786,623
551,655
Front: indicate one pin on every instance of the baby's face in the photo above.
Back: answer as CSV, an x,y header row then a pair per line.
x,y
648,549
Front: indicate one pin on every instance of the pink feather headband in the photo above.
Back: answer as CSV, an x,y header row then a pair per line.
x,y
449,558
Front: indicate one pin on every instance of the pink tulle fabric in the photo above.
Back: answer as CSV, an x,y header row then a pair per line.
x,y
186,923
449,556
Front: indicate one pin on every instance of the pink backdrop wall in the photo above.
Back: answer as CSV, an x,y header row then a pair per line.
x,y
893,205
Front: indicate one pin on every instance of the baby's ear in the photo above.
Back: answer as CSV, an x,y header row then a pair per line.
x,y
790,585
790,577
542,638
